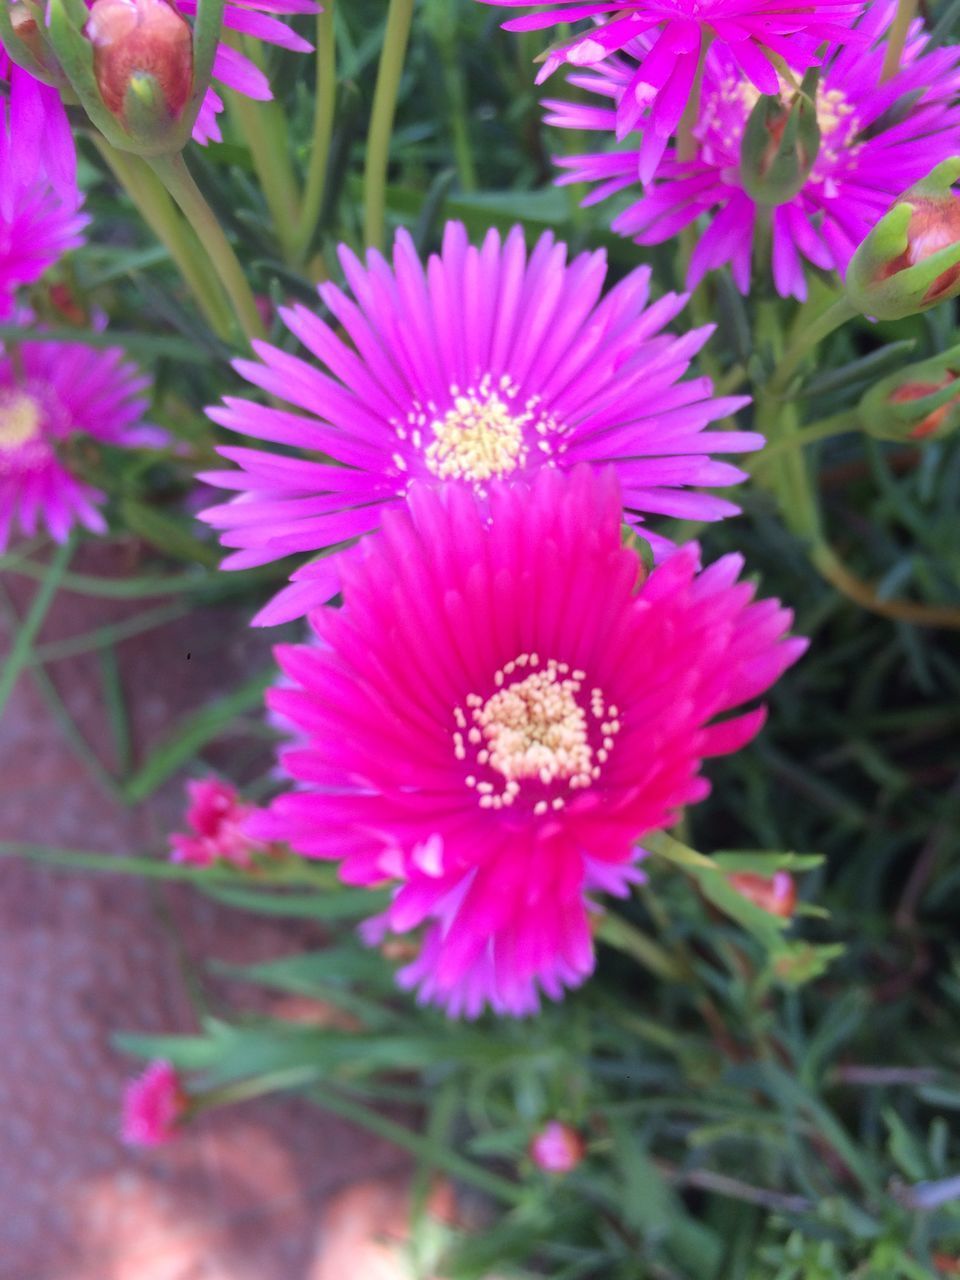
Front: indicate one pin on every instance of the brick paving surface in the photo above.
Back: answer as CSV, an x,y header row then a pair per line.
x,y
242,1194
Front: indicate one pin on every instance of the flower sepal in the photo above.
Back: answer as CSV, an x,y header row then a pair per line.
x,y
23,37
919,402
910,261
137,67
780,144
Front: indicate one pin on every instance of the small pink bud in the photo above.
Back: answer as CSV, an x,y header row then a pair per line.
x,y
557,1148
776,894
136,39
929,425
934,225
153,1106
216,819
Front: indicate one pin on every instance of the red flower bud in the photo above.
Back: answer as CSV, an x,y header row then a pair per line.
x,y
929,425
557,1148
776,894
934,225
136,39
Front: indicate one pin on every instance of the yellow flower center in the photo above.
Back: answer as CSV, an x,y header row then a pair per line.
x,y
19,420
542,728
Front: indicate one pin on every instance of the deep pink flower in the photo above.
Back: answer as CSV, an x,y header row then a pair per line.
x,y
877,139
40,215
750,33
153,1106
487,363
232,69
557,1148
216,820
50,393
500,712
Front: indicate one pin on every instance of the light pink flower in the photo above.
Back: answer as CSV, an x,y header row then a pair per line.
x,y
876,140
40,215
486,362
153,1106
501,710
672,36
557,1148
216,819
51,393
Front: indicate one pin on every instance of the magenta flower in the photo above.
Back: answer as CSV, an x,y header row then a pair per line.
x,y
216,818
500,711
485,364
674,33
49,394
557,1148
40,215
153,1106
876,140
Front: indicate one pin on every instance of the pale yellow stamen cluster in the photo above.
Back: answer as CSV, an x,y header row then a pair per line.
x,y
536,727
19,420
485,432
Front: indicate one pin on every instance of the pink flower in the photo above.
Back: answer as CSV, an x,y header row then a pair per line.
x,y
216,820
557,1148
153,1106
40,215
486,363
500,711
749,33
50,393
876,140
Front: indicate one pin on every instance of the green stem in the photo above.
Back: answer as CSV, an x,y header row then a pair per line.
x,y
686,141
323,114
159,213
389,72
829,564
263,127
807,340
897,38
26,632
836,425
176,177
622,936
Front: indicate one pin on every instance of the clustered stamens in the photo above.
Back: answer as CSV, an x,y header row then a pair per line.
x,y
19,420
542,728
485,433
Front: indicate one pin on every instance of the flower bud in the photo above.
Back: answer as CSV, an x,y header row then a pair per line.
x,y
917,402
776,894
23,39
143,59
780,145
557,1148
910,261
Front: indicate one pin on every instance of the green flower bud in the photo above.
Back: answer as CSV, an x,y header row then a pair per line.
x,y
22,34
915,403
780,144
910,261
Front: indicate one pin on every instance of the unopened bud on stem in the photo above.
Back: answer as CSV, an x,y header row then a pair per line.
x,y
915,403
142,60
780,144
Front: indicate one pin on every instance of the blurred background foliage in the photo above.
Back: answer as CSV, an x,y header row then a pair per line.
x,y
757,1104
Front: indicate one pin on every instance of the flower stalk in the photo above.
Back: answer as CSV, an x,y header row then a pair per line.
x,y
389,73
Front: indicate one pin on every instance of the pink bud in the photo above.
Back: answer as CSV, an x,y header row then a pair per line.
x,y
140,38
916,391
557,1148
934,225
776,894
216,819
153,1106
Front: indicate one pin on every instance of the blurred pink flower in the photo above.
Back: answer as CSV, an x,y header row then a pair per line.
x,y
499,713
750,33
51,393
485,362
216,819
876,140
557,1148
153,1106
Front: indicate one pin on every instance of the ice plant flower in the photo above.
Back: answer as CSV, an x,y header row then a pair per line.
x,y
153,1106
504,706
50,393
557,1148
484,364
40,215
670,37
876,139
216,820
